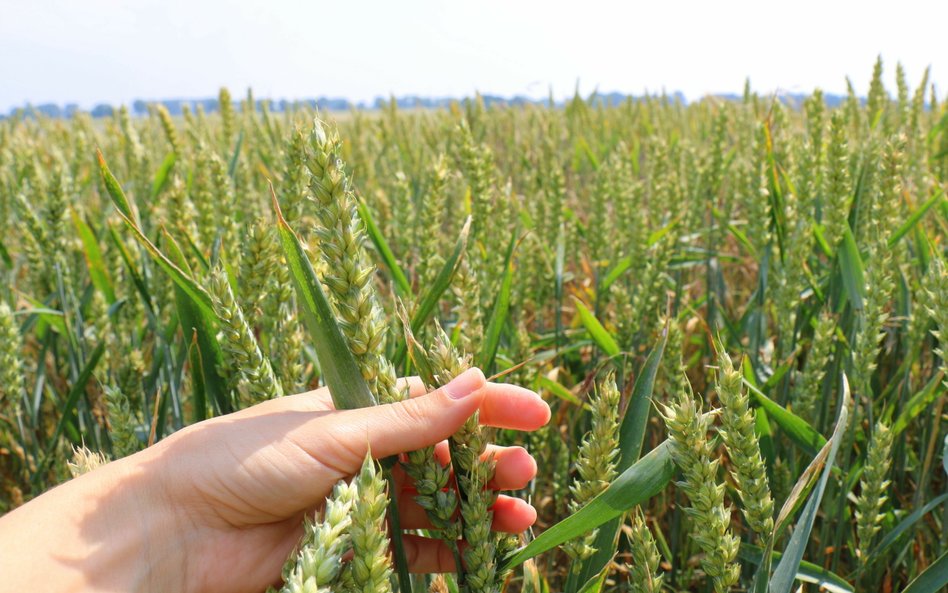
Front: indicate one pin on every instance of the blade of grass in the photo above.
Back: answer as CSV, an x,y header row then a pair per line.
x,y
381,245
599,334
784,574
198,386
916,216
196,321
75,392
918,403
933,579
806,573
904,525
98,273
196,292
616,272
851,267
635,485
162,175
232,166
632,430
498,316
441,283
558,390
796,428
5,255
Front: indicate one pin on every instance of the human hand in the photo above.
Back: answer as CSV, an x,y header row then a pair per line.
x,y
219,505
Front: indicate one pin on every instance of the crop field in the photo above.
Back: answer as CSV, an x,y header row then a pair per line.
x,y
733,308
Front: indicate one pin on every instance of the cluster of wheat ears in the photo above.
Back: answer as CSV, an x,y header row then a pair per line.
x,y
733,307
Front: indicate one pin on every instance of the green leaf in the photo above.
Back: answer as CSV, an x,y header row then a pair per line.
x,y
600,336
916,216
441,283
784,574
381,245
98,272
163,175
498,316
132,270
850,264
904,525
795,427
202,325
933,579
5,255
340,371
558,390
594,585
635,485
47,317
740,236
232,166
765,436
807,572
198,386
416,352
115,191
75,392
196,292
632,431
918,403
658,234
615,273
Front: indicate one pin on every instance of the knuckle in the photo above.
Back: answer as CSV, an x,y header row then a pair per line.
x,y
412,412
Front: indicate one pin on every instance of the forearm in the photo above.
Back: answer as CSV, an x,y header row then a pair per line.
x,y
108,530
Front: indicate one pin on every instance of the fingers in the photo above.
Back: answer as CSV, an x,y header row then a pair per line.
x,y
514,469
504,405
511,406
407,425
511,514
428,555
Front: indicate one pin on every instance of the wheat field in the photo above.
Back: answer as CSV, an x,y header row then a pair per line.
x,y
733,308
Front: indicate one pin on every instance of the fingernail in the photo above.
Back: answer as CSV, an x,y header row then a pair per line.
x,y
465,384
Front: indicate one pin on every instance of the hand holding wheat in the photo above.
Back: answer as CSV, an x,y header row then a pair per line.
x,y
219,505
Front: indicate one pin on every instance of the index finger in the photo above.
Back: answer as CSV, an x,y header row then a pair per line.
x,y
504,405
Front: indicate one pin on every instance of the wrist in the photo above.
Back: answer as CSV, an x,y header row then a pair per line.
x,y
151,554
108,530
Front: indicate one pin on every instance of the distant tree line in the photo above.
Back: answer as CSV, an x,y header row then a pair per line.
x,y
140,107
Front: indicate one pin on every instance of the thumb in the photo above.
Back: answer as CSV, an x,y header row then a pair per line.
x,y
411,424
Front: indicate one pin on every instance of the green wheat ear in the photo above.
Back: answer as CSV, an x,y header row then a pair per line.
x,y
317,564
873,486
256,381
370,569
743,447
643,572
596,459
84,461
693,453
348,274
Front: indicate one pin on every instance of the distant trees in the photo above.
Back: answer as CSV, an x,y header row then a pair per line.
x,y
140,107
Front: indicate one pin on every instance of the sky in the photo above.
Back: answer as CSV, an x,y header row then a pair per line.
x,y
111,51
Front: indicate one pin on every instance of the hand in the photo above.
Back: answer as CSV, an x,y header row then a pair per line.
x,y
219,505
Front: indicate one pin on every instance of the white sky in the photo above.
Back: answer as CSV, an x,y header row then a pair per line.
x,y
90,51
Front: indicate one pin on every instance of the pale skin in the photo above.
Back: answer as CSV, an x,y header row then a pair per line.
x,y
219,505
